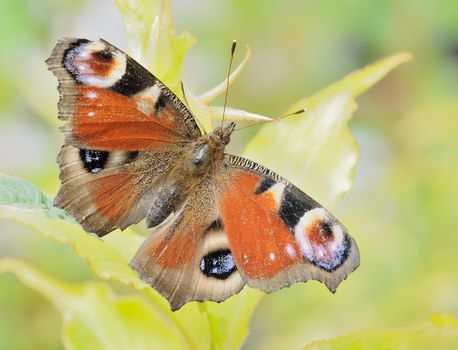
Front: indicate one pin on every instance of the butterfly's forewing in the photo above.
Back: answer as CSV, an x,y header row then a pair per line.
x,y
112,103
124,130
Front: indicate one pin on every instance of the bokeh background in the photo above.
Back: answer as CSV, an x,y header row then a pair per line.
x,y
402,210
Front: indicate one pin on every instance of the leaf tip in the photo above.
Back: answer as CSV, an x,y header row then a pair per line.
x,y
402,57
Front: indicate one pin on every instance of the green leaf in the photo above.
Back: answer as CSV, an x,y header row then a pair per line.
x,y
107,259
229,320
199,109
224,324
442,335
21,194
95,317
321,152
25,204
152,39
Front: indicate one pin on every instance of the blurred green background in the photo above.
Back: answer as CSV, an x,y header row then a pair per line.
x,y
402,210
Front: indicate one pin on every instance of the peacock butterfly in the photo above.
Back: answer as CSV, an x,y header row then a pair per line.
x,y
134,150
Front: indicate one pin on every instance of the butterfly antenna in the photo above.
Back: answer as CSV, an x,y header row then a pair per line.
x,y
302,110
234,44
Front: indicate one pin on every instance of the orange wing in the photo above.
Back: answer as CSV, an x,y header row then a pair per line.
x,y
112,103
124,131
244,224
277,234
105,120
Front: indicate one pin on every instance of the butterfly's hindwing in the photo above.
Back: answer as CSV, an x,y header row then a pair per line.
x,y
108,190
189,258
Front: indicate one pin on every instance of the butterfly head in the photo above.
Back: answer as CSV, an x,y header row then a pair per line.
x,y
222,135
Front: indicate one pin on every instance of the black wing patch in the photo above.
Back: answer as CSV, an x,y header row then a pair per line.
x,y
218,264
293,206
93,161
135,79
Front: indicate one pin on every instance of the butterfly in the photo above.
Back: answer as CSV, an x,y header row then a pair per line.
x,y
133,150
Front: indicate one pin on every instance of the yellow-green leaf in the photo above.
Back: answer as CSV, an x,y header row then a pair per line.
x,y
441,335
25,204
152,39
94,317
104,261
229,320
199,109
107,259
318,152
17,193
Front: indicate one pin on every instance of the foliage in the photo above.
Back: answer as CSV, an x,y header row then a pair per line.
x,y
442,333
119,311
322,153
226,324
